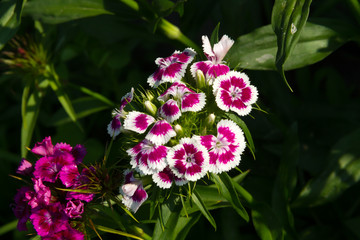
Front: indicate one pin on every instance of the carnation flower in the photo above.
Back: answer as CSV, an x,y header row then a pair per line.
x,y
166,177
234,92
25,168
132,191
225,149
171,69
214,66
189,159
22,209
183,99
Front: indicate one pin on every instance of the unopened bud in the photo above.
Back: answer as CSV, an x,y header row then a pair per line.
x,y
200,79
210,120
179,130
150,107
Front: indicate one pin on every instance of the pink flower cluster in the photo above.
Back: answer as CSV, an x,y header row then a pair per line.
x,y
170,147
50,209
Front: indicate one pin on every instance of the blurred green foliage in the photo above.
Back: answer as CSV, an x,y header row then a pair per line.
x,y
304,181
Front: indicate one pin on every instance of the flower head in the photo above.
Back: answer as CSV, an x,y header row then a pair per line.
x,y
214,66
171,69
225,148
234,92
189,159
166,177
25,168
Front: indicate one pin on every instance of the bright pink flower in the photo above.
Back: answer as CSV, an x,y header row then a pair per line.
x,y
25,168
183,99
166,177
74,209
189,159
213,67
226,148
234,92
147,157
81,183
21,207
49,220
44,148
78,152
132,191
69,174
171,69
68,234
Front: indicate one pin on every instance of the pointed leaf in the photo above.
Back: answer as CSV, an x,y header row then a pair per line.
x,y
342,172
200,204
288,19
59,11
117,232
30,116
257,50
63,98
215,35
10,17
226,187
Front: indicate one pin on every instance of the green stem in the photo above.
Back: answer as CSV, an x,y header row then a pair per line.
x,y
354,6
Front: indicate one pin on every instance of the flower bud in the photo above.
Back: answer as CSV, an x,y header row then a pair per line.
x,y
150,108
209,121
200,79
179,130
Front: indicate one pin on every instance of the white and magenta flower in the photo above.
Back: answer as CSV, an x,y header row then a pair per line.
x,y
189,159
214,66
114,128
160,133
183,100
133,193
171,69
166,177
224,149
147,157
234,92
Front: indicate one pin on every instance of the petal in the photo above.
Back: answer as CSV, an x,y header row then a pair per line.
x,y
208,141
161,133
155,79
43,148
176,90
68,174
138,121
202,66
133,203
223,100
240,108
114,127
207,48
221,48
25,167
193,102
170,111
129,189
164,178
217,70
249,95
127,98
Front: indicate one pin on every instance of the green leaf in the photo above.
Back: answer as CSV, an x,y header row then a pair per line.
x,y
257,50
8,227
83,107
10,18
31,112
59,11
286,180
63,98
342,172
175,225
215,35
245,129
288,19
117,232
227,189
200,204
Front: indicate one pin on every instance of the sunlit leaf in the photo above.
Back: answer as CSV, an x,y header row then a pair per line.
x,y
288,19
319,38
117,232
10,18
226,187
200,204
342,172
59,11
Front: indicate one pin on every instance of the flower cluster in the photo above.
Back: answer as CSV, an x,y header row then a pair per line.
x,y
52,201
184,132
